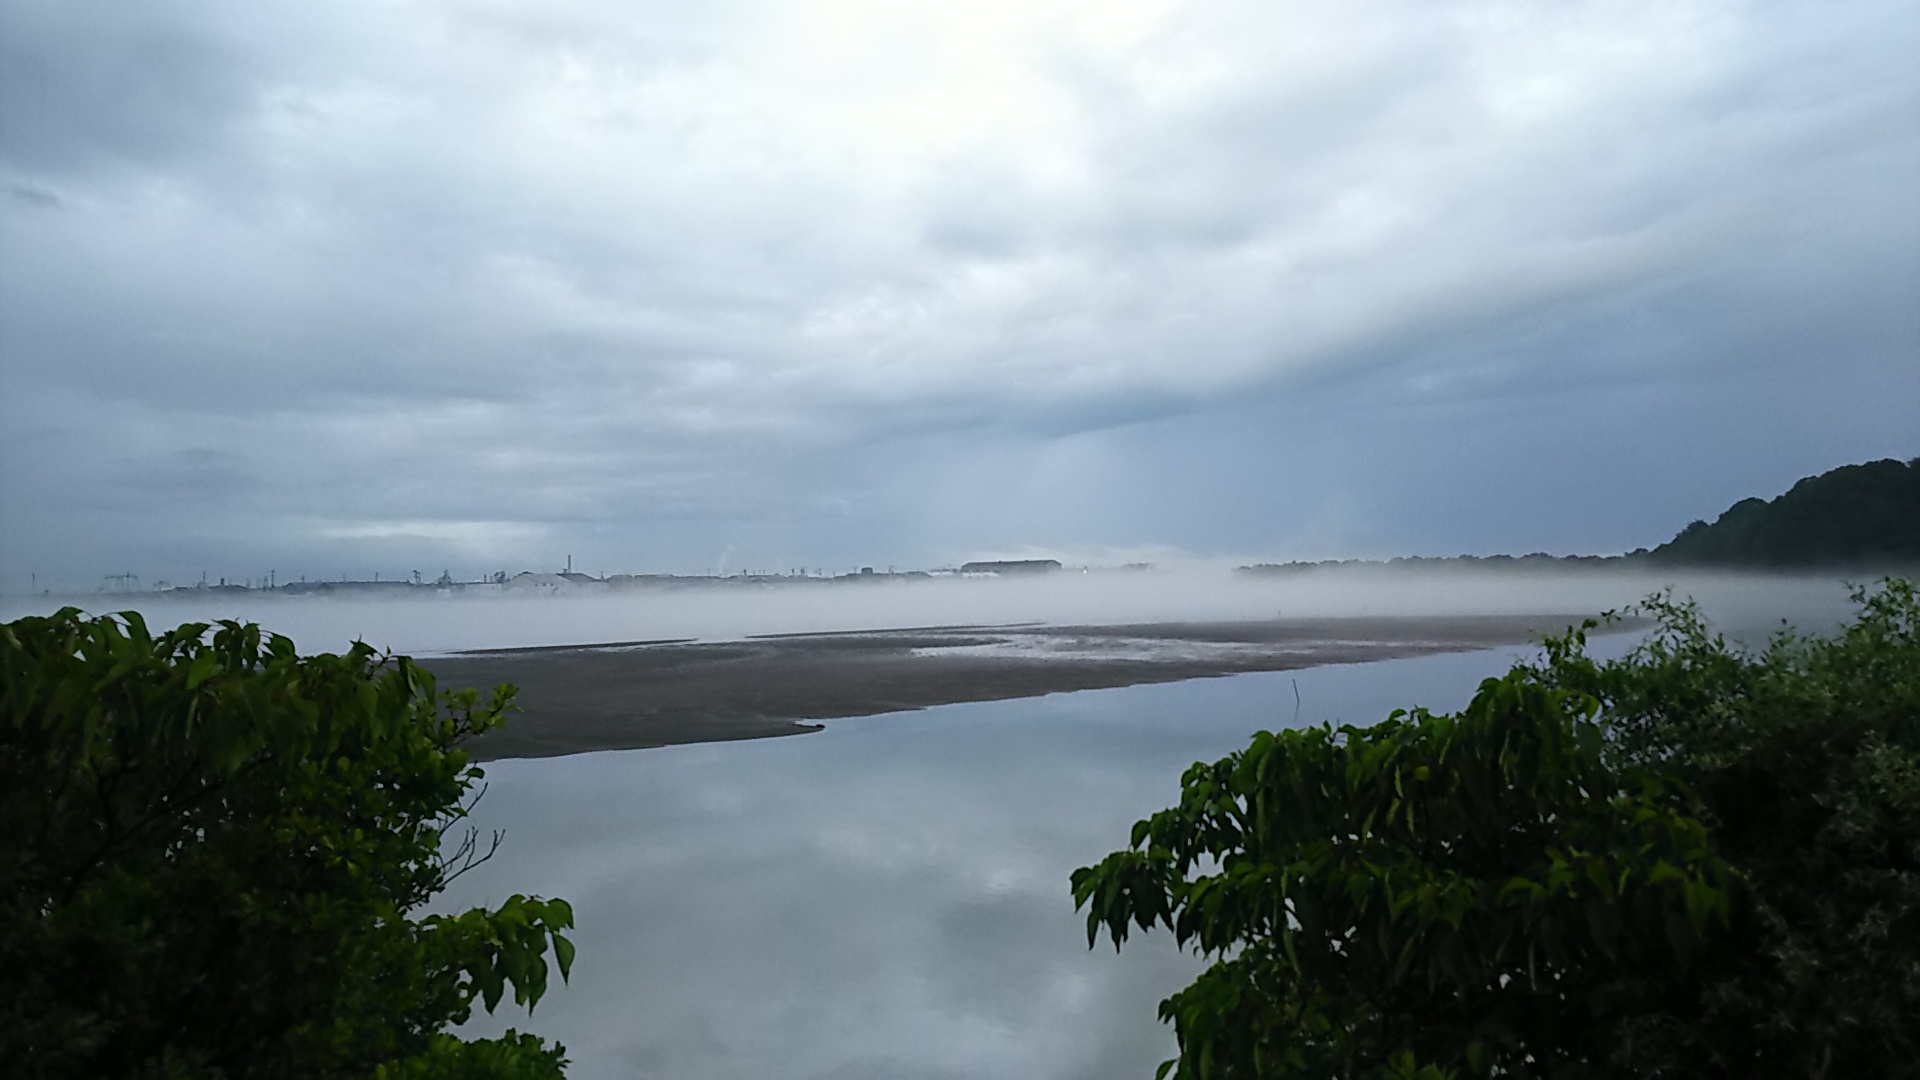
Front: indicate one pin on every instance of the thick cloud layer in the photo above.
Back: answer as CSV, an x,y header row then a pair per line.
x,y
367,286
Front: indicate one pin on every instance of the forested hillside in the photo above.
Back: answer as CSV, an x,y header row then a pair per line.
x,y
1857,515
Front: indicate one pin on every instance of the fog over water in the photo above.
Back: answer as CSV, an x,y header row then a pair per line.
x,y
430,624
889,898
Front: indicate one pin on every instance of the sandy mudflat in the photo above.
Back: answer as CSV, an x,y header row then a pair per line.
x,y
624,695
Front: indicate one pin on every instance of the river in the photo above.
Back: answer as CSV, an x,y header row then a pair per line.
x,y
887,898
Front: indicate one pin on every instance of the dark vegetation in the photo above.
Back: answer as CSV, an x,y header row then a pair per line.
x,y
1856,517
1695,861
215,852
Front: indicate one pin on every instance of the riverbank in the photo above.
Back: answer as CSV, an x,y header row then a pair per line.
x,y
631,695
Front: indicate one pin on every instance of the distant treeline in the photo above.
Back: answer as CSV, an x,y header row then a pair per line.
x,y
1859,517
1856,515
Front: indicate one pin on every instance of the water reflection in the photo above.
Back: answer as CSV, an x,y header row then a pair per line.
x,y
887,898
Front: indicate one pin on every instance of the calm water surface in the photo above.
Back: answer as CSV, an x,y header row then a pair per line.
x,y
887,898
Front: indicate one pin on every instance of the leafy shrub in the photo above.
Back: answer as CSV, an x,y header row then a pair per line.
x,y
1690,862
1468,891
212,850
1806,761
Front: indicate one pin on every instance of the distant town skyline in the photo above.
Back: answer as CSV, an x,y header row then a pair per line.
x,y
129,583
319,288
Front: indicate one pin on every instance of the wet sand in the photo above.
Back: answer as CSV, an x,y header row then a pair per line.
x,y
625,695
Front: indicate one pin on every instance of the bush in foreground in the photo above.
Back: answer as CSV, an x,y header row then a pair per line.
x,y
1805,761
1693,861
212,850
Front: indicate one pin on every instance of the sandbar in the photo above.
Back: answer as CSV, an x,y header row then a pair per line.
x,y
629,695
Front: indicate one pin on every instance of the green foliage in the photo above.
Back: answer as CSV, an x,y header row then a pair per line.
x,y
1857,515
211,850
1470,892
1688,862
1806,759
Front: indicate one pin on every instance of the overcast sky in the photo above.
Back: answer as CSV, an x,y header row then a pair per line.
x,y
357,286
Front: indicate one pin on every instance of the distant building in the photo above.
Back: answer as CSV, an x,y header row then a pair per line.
x,y
1005,567
538,584
566,583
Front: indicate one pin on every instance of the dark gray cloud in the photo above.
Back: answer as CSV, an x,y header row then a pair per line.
x,y
359,285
